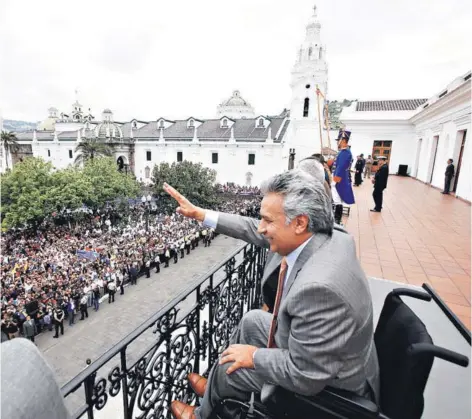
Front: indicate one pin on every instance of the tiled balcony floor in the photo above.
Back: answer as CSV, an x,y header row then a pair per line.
x,y
420,236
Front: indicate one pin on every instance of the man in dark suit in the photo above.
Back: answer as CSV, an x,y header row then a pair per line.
x,y
448,176
359,169
380,183
321,332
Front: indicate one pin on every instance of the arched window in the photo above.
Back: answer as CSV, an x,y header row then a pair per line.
x,y
161,124
190,123
321,53
225,123
310,50
147,172
261,123
135,125
306,107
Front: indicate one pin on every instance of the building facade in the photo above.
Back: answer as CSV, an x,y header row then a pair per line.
x,y
243,147
421,134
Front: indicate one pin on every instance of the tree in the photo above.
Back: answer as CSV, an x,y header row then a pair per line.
x,y
107,182
25,193
33,190
9,143
191,179
91,148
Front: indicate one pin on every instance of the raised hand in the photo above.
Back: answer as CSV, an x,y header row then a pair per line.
x,y
186,208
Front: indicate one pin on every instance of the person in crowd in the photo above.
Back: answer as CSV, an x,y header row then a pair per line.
x,y
368,167
448,175
29,329
83,307
58,321
71,311
322,296
111,292
380,183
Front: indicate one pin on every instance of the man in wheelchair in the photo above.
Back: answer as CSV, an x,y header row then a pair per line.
x,y
319,331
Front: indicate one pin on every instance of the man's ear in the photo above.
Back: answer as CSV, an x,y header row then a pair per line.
x,y
301,224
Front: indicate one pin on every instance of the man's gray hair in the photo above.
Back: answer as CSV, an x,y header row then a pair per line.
x,y
303,195
313,167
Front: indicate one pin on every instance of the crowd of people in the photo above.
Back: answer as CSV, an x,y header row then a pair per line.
x,y
51,275
237,189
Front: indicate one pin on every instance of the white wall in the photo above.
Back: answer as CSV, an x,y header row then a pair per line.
x,y
232,163
447,118
464,186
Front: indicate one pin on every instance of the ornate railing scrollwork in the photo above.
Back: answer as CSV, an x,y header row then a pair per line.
x,y
186,335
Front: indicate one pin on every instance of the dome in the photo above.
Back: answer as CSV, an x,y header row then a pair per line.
x,y
108,130
107,111
235,107
235,100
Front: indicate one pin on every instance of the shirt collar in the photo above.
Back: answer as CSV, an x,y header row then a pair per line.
x,y
292,257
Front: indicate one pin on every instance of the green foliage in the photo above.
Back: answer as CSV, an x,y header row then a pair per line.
x,y
334,109
25,191
32,190
107,182
191,179
10,143
91,148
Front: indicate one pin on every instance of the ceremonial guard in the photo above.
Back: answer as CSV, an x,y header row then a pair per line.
x,y
341,187
204,235
175,251
182,248
166,256
157,262
187,244
147,267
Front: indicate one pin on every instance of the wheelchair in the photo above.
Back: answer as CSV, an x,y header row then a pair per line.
x,y
405,352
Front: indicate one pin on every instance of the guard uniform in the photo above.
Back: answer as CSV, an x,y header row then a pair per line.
x,y
342,191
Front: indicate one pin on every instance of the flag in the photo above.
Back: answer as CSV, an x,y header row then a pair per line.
x,y
318,92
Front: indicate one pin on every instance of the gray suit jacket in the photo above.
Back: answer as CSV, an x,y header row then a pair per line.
x,y
325,325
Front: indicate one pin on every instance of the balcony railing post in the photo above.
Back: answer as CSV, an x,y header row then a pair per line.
x,y
89,384
211,357
124,383
198,334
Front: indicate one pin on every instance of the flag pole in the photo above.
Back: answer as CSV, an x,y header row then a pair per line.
x,y
318,92
327,124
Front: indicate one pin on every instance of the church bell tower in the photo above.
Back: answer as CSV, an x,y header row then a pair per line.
x,y
309,71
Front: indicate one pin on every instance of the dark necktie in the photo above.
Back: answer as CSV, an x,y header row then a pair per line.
x,y
278,298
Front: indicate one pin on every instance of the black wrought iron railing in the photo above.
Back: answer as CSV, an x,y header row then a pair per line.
x,y
141,375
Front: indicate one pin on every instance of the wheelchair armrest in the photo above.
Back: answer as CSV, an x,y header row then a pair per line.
x,y
342,401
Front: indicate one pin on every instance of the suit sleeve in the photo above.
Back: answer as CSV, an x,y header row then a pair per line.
x,y
319,332
243,228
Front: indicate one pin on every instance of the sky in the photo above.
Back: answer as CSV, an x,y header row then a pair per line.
x,y
148,59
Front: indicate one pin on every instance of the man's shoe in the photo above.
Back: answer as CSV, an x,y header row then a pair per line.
x,y
182,411
198,383
374,210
